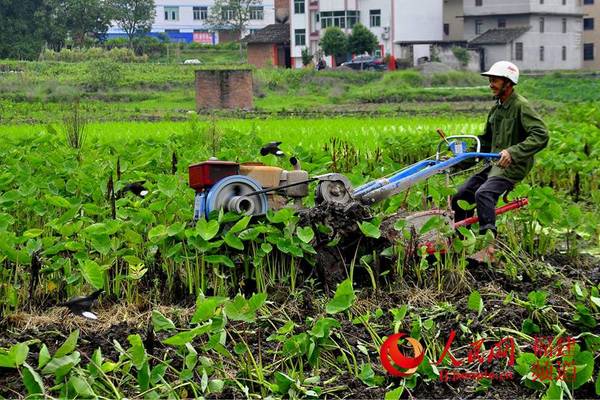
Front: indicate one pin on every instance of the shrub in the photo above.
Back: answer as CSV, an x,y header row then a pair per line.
x,y
306,56
462,55
103,73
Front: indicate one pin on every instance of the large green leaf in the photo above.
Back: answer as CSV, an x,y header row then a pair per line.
x,y
161,323
62,365
206,307
240,225
306,234
240,309
32,380
233,241
157,233
219,259
15,356
81,387
167,185
69,345
137,350
369,230
92,273
207,229
182,338
342,300
474,302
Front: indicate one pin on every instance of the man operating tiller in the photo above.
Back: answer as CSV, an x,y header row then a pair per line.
x,y
514,130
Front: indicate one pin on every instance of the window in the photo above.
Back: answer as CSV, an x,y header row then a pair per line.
x,y
588,2
375,17
299,6
446,29
541,24
519,51
564,2
478,3
564,53
200,13
478,26
341,19
541,1
588,51
228,13
588,24
564,25
541,53
171,13
501,23
300,37
257,12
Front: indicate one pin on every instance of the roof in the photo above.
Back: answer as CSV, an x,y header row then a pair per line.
x,y
274,33
499,35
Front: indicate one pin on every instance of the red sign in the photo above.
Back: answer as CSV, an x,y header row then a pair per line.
x,y
202,37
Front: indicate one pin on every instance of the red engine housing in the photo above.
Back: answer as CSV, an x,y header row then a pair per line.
x,y
207,173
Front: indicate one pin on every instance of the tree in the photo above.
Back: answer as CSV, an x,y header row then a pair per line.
x,y
334,42
82,18
24,28
362,40
232,15
134,17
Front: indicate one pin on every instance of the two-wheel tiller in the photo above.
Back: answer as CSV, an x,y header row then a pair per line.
x,y
254,188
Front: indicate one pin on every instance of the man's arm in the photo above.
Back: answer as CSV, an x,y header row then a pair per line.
x,y
486,138
536,135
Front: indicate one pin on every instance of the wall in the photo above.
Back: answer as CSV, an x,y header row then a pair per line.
x,y
412,23
261,54
592,36
521,6
453,11
216,89
447,57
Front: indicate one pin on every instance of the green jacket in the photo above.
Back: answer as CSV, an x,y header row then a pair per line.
x,y
514,126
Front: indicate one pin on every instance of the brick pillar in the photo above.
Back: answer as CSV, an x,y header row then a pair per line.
x,y
230,88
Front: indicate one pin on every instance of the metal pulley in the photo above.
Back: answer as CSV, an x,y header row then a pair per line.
x,y
237,193
333,188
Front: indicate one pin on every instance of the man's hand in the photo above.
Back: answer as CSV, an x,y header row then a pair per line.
x,y
505,159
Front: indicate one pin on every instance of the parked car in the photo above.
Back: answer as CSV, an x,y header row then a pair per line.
x,y
365,62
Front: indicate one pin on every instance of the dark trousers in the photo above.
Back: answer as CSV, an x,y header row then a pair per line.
x,y
484,191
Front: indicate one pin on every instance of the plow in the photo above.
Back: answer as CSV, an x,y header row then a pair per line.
x,y
255,188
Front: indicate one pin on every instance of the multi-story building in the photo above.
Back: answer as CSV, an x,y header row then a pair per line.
x,y
591,34
392,21
453,20
535,34
187,21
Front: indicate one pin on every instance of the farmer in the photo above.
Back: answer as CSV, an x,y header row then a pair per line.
x,y
514,130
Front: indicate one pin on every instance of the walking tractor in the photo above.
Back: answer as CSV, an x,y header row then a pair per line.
x,y
254,188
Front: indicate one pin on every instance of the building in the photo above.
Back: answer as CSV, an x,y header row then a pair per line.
x,y
392,21
535,34
591,34
270,46
453,20
186,21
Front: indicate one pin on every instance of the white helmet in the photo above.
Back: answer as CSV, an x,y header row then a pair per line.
x,y
504,69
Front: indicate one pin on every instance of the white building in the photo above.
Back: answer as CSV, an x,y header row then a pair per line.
x,y
186,21
535,34
391,21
